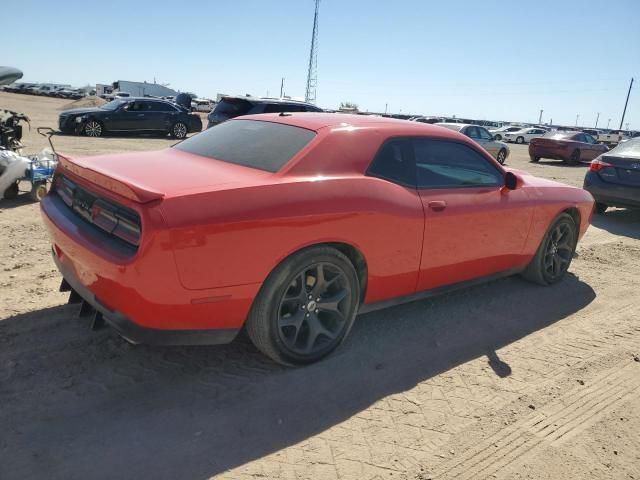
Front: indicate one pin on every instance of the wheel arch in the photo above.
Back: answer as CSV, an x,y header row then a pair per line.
x,y
574,212
354,254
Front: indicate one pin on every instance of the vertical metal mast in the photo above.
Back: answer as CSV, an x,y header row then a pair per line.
x,y
312,75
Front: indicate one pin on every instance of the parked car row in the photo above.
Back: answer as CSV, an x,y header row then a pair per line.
x,y
49,90
498,150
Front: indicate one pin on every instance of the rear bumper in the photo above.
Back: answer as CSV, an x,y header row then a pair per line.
x,y
611,194
140,293
135,333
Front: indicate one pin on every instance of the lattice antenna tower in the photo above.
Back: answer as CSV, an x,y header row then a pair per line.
x,y
312,75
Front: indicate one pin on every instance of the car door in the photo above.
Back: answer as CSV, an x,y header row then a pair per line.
x,y
474,227
591,148
161,116
131,116
488,143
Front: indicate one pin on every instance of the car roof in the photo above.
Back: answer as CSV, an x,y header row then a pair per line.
x,y
269,100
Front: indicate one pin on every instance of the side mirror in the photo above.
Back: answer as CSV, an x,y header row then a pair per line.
x,y
510,181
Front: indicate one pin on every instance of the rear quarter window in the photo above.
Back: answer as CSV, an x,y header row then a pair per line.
x,y
262,145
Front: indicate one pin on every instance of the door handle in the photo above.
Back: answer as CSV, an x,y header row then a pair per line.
x,y
437,205
141,114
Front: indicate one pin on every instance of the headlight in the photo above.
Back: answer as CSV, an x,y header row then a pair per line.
x,y
78,119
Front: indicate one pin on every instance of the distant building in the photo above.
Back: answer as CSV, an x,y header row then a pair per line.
x,y
136,89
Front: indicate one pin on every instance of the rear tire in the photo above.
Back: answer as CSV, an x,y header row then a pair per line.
x,y
601,208
502,156
498,137
306,307
535,159
574,159
554,255
520,140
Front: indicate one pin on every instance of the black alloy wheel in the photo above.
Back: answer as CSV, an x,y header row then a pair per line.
x,y
554,255
559,251
312,311
306,306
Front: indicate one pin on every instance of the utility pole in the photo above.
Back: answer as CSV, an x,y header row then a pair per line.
x,y
608,122
312,73
577,117
597,120
385,108
540,117
281,87
625,104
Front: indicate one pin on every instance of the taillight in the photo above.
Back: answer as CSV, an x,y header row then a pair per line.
x,y
598,165
116,222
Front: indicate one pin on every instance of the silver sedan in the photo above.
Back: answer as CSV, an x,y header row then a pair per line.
x,y
498,150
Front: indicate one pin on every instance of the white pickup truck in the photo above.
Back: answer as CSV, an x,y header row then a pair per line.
x,y
613,137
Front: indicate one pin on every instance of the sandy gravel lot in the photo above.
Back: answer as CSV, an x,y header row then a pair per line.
x,y
506,380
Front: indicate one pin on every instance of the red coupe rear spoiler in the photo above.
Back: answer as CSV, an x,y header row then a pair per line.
x,y
110,181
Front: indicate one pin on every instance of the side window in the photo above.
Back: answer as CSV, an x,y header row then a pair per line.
x,y
472,132
484,134
589,138
160,107
394,162
581,138
444,164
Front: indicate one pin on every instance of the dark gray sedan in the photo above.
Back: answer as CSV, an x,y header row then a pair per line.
x,y
614,177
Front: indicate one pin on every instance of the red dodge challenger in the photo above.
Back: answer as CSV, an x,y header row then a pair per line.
x,y
289,225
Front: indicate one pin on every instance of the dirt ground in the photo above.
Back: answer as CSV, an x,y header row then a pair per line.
x,y
506,380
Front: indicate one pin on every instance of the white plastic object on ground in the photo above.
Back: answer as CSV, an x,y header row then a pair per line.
x,y
13,167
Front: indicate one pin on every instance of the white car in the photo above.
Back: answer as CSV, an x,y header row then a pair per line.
x,y
524,135
498,133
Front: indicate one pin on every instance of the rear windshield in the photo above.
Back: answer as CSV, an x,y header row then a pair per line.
x,y
233,107
559,135
630,148
263,145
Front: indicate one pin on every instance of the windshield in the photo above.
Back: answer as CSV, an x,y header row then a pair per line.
x,y
113,105
630,148
263,145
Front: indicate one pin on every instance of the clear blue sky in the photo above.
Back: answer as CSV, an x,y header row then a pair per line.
x,y
482,59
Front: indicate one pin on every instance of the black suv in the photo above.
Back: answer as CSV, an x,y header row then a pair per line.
x,y
230,107
130,115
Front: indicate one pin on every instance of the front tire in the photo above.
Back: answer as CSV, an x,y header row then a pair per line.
x,y
497,137
520,140
306,307
554,255
93,128
179,130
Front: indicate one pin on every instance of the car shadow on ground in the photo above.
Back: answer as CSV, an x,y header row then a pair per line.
x,y
619,221
82,404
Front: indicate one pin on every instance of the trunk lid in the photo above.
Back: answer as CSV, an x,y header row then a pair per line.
x,y
147,176
623,170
